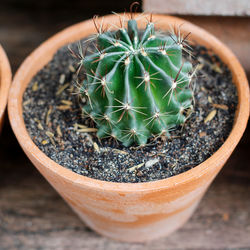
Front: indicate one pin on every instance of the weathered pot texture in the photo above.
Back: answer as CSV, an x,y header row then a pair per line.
x,y
126,211
5,81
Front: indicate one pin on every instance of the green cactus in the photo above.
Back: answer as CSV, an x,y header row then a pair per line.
x,y
137,84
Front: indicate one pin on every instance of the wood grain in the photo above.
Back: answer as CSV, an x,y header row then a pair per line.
x,y
199,7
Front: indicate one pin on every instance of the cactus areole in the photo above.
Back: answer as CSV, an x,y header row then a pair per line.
x,y
137,85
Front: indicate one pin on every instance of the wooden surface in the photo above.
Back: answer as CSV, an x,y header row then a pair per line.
x,y
32,214
199,7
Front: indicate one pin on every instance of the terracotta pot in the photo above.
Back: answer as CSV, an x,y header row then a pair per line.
x,y
5,80
126,211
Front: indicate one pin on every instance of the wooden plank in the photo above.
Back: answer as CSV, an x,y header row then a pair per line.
x,y
199,7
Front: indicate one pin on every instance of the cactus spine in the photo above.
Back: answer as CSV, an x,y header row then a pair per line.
x,y
137,84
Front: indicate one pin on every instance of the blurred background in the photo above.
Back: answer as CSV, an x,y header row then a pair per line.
x,y
24,24
33,216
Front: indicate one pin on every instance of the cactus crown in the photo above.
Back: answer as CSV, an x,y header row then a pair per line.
x,y
137,85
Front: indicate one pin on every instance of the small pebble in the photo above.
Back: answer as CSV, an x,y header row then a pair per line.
x,y
62,79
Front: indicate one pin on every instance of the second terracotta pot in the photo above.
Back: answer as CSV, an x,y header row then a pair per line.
x,y
5,81
125,211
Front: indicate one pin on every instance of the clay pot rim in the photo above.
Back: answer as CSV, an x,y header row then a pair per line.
x,y
5,81
64,37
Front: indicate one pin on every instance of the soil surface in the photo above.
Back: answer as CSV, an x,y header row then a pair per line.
x,y
53,118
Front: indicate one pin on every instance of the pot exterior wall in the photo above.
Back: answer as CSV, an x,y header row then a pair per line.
x,y
131,216
5,80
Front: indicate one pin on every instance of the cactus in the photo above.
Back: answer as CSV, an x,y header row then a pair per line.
x,y
137,85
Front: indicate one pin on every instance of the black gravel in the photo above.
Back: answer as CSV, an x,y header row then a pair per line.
x,y
51,119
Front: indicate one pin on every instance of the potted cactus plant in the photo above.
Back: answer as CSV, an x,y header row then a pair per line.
x,y
5,80
136,88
